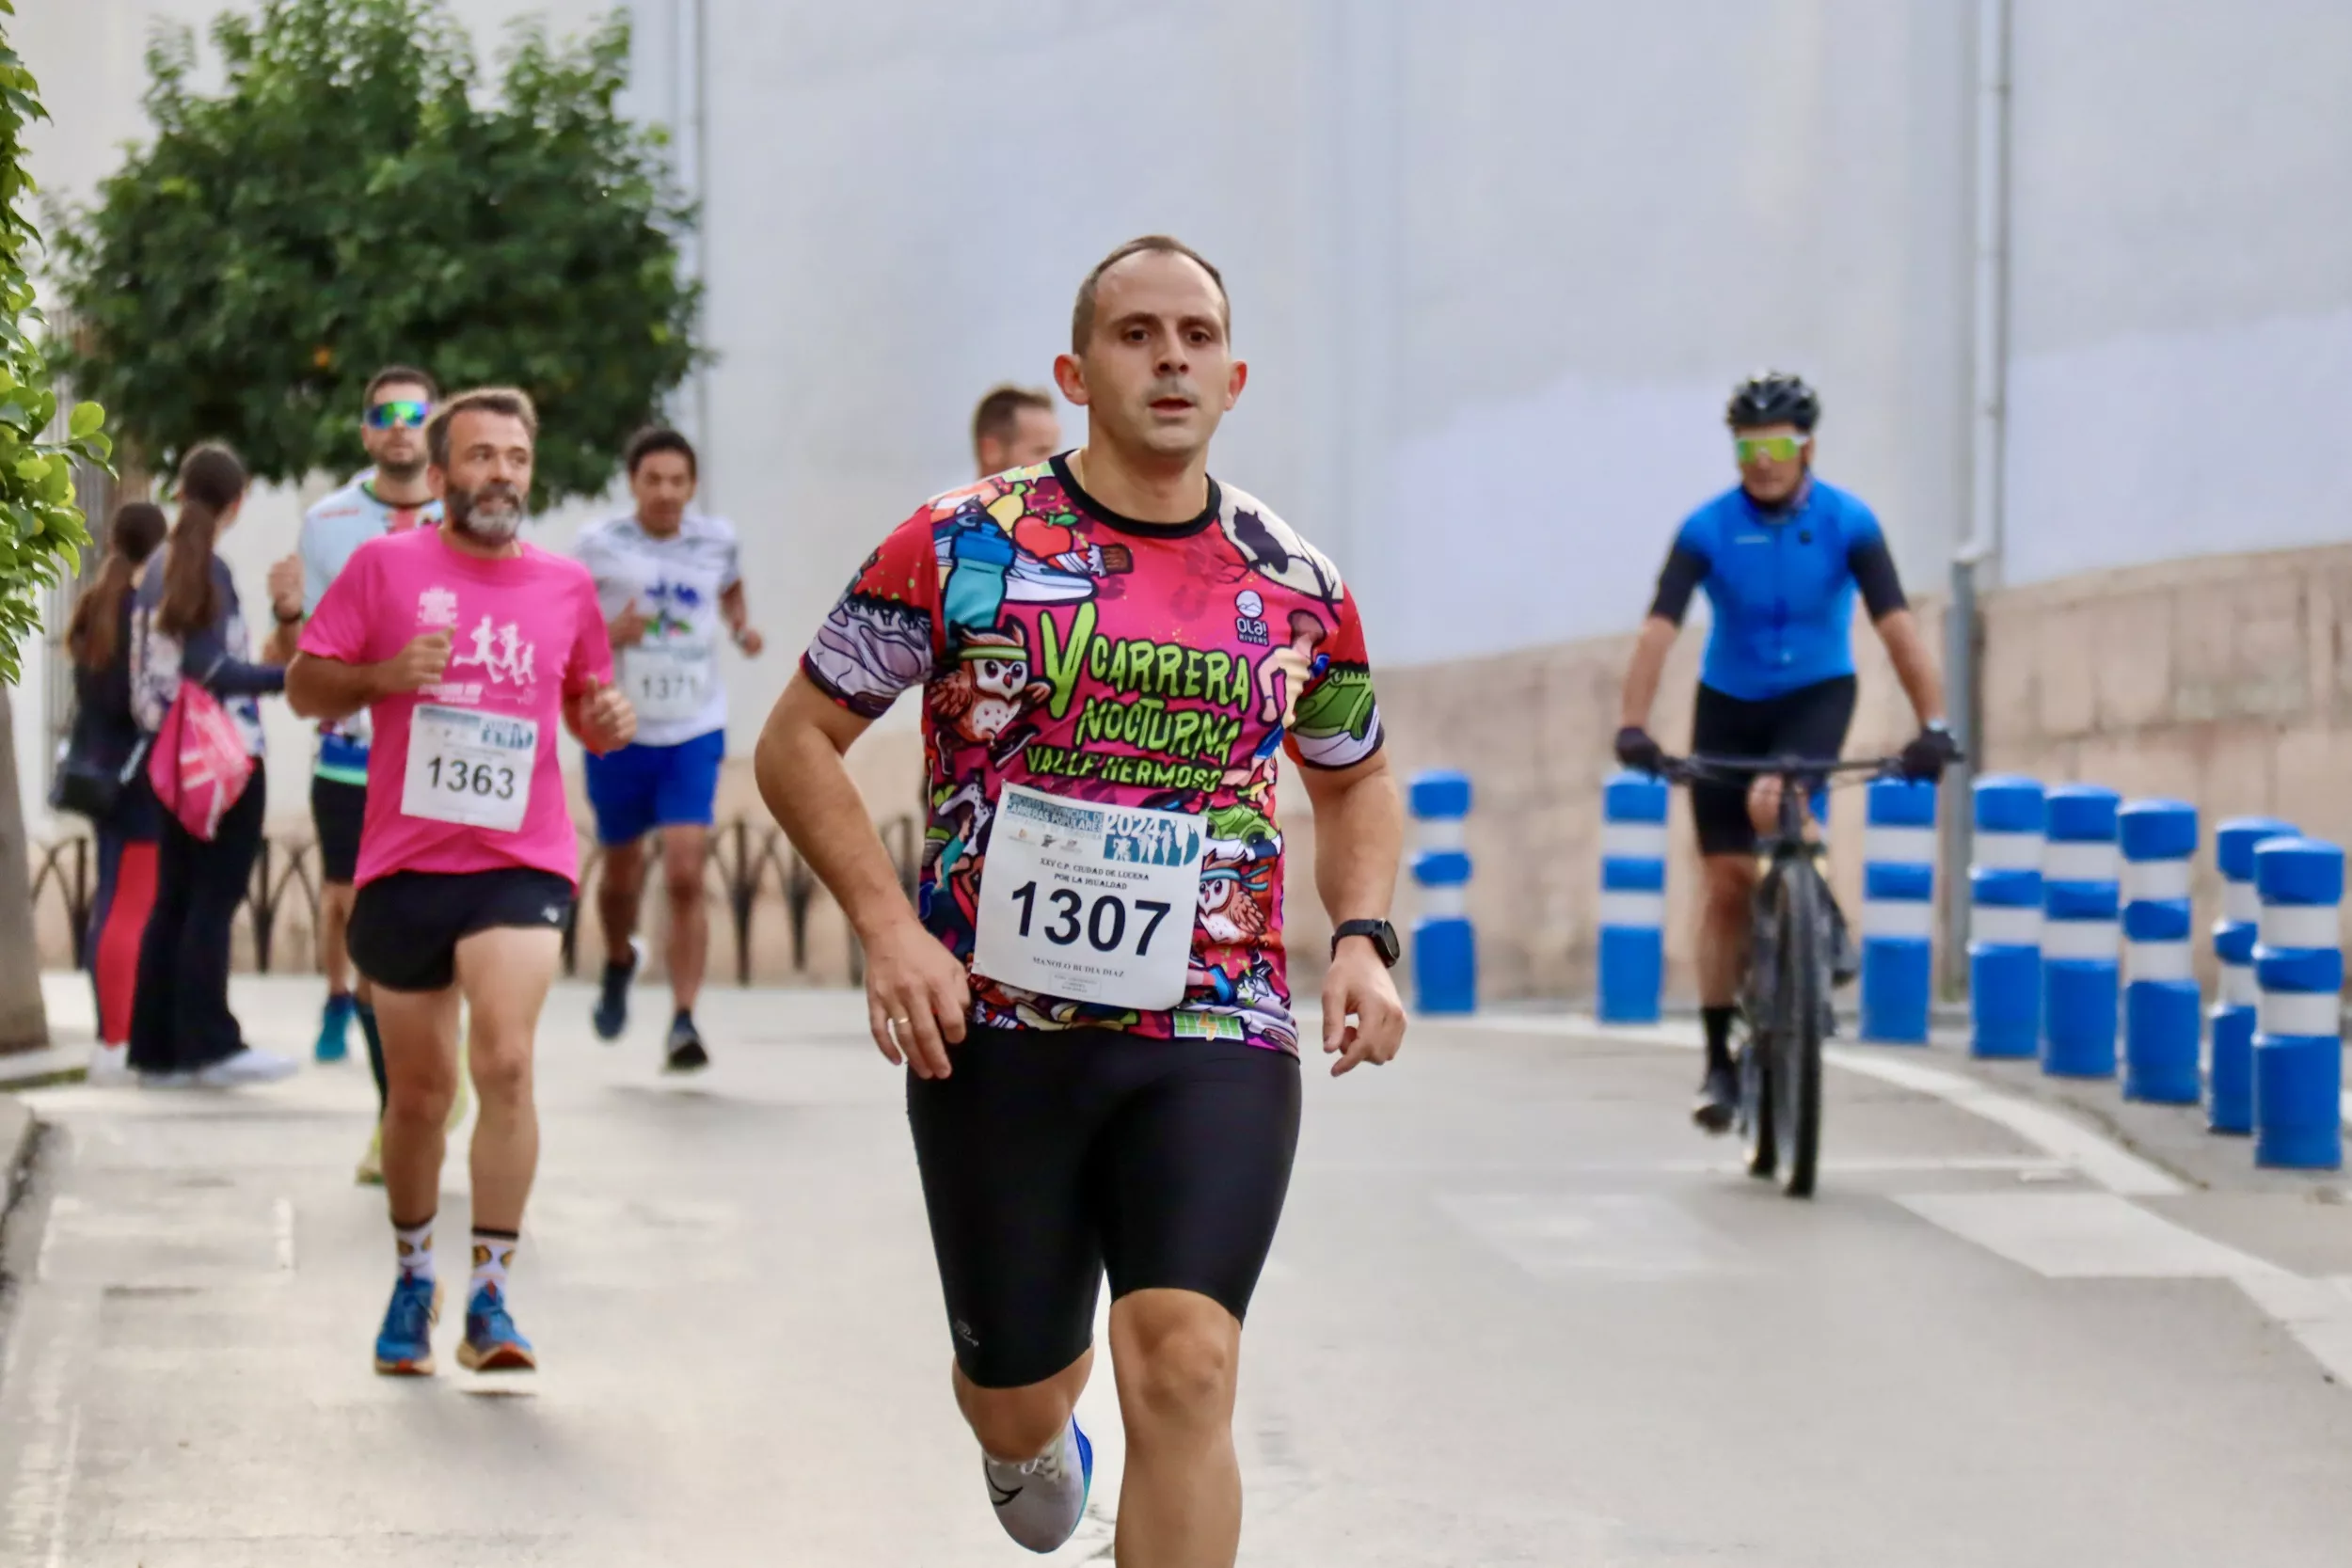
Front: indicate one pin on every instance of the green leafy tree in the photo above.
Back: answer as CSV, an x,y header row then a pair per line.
x,y
352,197
42,533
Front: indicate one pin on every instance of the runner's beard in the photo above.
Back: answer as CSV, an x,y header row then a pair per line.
x,y
402,474
490,515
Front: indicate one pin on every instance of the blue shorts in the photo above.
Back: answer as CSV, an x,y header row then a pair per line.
x,y
639,788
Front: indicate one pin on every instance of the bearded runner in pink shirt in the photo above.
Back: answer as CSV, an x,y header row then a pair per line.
x,y
467,645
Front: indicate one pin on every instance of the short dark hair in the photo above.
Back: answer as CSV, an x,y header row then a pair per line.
x,y
1000,410
509,401
1082,315
398,375
654,439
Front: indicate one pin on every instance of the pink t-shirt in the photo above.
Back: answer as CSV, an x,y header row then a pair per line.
x,y
525,634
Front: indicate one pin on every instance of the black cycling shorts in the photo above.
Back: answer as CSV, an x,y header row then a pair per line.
x,y
1810,722
406,926
338,810
1049,1156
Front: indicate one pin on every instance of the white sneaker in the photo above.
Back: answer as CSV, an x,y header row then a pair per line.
x,y
246,1067
1040,1503
109,1063
166,1080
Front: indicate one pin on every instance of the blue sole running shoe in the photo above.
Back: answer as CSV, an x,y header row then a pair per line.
x,y
493,1343
1041,1503
405,1348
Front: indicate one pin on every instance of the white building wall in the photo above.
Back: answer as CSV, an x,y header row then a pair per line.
x,y
1494,263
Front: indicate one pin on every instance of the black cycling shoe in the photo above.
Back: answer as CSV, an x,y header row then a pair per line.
x,y
612,1015
1719,1100
685,1052
1845,956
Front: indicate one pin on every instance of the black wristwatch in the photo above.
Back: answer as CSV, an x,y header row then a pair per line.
x,y
1383,937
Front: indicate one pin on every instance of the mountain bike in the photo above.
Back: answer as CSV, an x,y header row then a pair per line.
x,y
1786,1000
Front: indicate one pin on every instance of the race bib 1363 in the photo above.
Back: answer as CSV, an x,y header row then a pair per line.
x,y
468,766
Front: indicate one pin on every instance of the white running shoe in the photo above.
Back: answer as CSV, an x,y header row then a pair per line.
x,y
109,1065
246,1067
1040,1503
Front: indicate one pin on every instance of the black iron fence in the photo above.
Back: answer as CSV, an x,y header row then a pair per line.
x,y
745,858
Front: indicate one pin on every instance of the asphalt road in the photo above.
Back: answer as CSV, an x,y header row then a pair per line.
x,y
1519,1312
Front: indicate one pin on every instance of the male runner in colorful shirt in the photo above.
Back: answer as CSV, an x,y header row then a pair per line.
x,y
671,582
467,646
391,498
1112,649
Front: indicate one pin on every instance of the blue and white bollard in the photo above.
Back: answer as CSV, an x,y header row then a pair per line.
x,y
2299,1049
2081,897
1897,911
1632,899
1445,945
2230,1104
2163,1009
2005,919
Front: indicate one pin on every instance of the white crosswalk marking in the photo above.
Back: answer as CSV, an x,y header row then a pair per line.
x,y
2084,1236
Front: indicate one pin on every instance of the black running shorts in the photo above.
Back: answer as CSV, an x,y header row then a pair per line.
x,y
1050,1156
1810,722
406,926
337,812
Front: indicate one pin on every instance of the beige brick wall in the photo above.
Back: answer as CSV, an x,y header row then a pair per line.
x,y
2226,682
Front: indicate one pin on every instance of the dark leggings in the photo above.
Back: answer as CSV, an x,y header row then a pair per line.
x,y
118,925
180,1021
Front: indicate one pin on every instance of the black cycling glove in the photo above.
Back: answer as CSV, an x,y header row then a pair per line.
x,y
1925,759
1637,751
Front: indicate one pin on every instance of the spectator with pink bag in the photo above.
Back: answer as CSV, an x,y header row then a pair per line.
x,y
197,692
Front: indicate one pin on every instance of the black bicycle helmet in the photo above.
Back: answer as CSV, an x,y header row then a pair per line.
x,y
1772,396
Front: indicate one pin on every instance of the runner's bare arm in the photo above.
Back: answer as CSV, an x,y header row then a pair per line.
x,y
909,978
1360,835
1914,666
738,619
320,687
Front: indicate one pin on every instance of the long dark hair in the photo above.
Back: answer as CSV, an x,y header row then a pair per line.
x,y
91,636
211,482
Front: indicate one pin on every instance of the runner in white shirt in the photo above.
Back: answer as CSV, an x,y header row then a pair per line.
x,y
670,587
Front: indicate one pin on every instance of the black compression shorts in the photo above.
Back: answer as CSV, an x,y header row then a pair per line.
x,y
406,926
1810,722
338,810
1049,1156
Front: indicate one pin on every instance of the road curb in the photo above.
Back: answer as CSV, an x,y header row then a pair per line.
x,y
17,1128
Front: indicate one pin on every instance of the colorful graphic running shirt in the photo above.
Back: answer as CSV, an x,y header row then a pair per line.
x,y
676,581
525,634
337,525
1066,649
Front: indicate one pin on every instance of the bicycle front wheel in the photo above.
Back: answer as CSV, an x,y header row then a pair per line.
x,y
1795,1080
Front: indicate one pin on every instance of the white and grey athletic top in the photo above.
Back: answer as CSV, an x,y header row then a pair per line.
x,y
672,677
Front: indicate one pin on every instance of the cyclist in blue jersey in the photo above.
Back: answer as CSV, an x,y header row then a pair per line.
x,y
1781,557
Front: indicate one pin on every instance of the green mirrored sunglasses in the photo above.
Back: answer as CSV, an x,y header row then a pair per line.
x,y
1780,448
399,416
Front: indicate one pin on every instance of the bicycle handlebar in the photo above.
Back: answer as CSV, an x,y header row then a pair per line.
x,y
1695,768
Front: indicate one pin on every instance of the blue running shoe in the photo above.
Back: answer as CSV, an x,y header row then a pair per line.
x,y
334,1026
493,1343
404,1349
1040,1503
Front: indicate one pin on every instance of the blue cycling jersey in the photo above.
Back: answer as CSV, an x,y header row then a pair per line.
x,y
1781,585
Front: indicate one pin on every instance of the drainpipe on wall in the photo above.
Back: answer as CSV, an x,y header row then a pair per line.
x,y
690,141
1976,566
